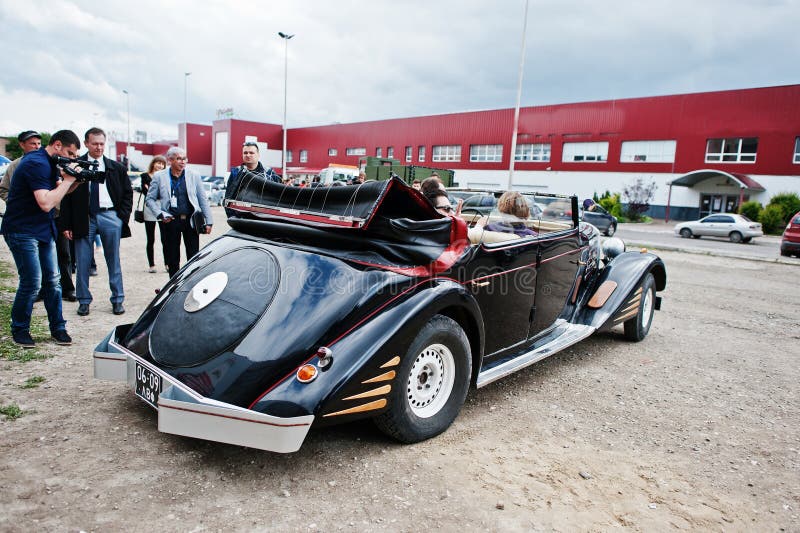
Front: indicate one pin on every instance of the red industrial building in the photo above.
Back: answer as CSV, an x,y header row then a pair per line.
x,y
706,152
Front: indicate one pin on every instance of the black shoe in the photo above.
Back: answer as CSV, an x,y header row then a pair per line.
x,y
83,309
69,296
118,309
61,337
24,339
92,271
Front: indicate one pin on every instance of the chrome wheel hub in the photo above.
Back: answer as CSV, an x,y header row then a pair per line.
x,y
647,309
430,380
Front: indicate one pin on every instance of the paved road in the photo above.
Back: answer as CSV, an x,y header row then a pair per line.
x,y
661,236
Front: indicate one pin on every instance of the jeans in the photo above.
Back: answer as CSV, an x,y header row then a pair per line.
x,y
37,267
109,227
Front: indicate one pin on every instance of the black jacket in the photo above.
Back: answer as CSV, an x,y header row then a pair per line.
x,y
75,206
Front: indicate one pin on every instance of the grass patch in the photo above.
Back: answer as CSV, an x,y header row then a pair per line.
x,y
39,329
11,411
33,382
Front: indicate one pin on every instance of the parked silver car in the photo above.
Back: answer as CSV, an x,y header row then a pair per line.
x,y
737,228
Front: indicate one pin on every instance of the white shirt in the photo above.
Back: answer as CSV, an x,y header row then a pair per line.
x,y
102,191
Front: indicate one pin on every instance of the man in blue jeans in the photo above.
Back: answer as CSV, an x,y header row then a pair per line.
x,y
30,232
99,208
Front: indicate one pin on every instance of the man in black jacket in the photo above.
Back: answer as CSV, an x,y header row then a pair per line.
x,y
103,209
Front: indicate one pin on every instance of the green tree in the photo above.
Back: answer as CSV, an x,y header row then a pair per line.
x,y
772,219
638,195
13,149
789,204
751,210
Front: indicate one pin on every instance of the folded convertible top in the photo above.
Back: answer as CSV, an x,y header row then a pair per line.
x,y
385,224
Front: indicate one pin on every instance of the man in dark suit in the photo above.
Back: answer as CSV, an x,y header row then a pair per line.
x,y
103,209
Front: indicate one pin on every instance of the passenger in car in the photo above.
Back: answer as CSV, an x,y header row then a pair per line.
x,y
476,234
431,184
440,201
513,204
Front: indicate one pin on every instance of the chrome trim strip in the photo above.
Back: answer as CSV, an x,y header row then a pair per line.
x,y
574,333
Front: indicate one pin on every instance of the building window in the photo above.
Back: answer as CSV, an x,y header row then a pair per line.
x,y
389,152
797,150
733,150
532,152
332,152
288,156
591,152
421,153
446,153
408,154
486,152
378,152
356,151
304,156
648,152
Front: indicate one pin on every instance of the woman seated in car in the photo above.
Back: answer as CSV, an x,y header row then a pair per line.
x,y
513,205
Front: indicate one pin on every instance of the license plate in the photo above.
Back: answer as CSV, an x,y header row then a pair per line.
x,y
148,384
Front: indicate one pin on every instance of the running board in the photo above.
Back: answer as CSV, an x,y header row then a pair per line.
x,y
559,339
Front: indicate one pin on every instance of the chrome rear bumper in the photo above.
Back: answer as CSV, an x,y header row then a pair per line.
x,y
181,411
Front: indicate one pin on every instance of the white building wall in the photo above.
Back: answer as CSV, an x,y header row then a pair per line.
x,y
586,184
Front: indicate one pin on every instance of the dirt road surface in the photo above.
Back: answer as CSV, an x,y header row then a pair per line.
x,y
696,428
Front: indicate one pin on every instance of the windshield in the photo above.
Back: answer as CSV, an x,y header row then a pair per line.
x,y
512,216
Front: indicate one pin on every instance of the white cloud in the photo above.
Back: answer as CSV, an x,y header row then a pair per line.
x,y
361,60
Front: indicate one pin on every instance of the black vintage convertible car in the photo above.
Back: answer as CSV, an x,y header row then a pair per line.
x,y
329,305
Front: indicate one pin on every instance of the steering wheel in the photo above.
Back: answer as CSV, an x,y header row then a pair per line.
x,y
471,216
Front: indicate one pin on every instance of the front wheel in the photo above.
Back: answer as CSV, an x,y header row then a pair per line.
x,y
612,229
432,383
686,233
637,327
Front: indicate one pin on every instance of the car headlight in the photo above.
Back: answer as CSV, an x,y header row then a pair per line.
x,y
612,247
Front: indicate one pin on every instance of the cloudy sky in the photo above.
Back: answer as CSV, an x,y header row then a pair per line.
x,y
66,62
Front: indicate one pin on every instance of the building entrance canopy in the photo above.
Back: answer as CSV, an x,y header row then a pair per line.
x,y
740,180
744,183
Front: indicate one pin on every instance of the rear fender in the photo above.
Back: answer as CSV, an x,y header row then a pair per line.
x,y
616,287
357,383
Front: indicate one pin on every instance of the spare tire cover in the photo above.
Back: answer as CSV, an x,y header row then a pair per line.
x,y
181,338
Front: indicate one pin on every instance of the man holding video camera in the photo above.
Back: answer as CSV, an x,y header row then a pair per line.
x,y
103,207
30,232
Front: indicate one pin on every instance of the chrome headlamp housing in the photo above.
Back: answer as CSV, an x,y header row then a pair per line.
x,y
612,247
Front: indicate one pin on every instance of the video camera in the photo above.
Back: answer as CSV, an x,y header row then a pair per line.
x,y
86,171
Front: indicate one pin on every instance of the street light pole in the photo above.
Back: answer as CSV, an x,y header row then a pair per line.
x,y
285,37
128,138
185,93
513,154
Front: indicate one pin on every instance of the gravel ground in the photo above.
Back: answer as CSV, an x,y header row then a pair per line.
x,y
695,428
